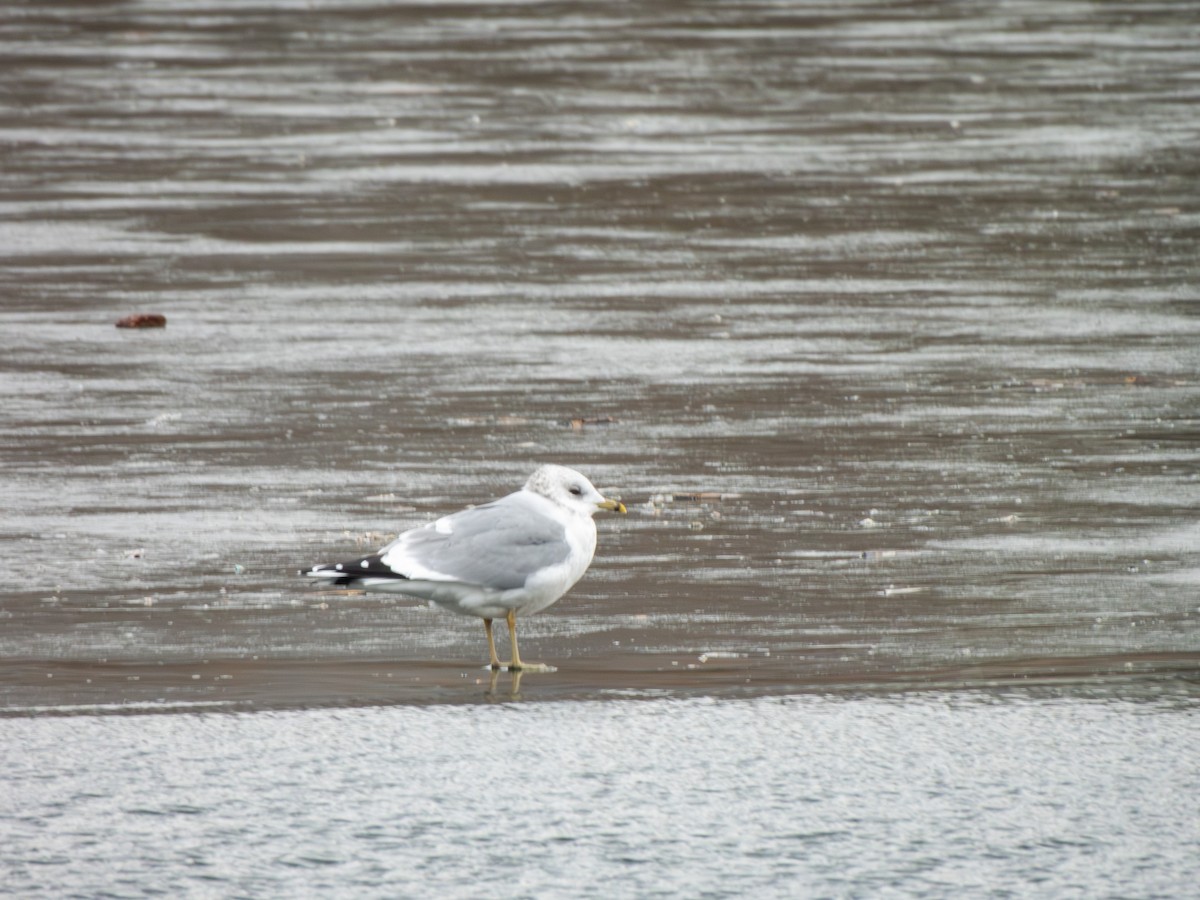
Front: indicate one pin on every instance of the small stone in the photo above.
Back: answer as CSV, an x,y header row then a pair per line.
x,y
143,320
580,422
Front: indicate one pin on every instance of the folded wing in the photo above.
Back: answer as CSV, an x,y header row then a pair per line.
x,y
496,546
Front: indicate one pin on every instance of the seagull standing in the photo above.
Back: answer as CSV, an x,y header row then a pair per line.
x,y
518,554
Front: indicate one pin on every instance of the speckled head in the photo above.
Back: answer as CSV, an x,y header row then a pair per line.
x,y
570,490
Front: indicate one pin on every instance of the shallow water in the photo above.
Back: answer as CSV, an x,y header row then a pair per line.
x,y
882,318
928,794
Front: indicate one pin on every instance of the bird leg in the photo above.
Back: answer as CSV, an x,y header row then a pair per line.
x,y
495,660
516,665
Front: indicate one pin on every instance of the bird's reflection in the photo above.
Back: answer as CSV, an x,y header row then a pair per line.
x,y
504,684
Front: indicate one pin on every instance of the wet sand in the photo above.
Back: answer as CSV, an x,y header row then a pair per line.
x,y
881,319
224,685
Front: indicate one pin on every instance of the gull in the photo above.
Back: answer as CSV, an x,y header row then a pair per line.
x,y
518,554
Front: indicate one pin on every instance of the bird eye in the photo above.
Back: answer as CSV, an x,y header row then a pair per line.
x,y
576,490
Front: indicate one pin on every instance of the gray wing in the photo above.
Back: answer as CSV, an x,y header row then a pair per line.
x,y
497,545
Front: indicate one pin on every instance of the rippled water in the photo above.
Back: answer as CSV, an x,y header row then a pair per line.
x,y
934,795
881,317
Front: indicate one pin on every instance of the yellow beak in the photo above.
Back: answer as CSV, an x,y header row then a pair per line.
x,y
614,505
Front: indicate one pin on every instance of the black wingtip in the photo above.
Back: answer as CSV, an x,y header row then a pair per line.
x,y
346,573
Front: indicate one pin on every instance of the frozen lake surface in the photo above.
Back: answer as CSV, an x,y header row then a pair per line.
x,y
1087,794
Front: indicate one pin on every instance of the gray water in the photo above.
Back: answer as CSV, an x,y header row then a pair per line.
x,y
881,317
935,795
